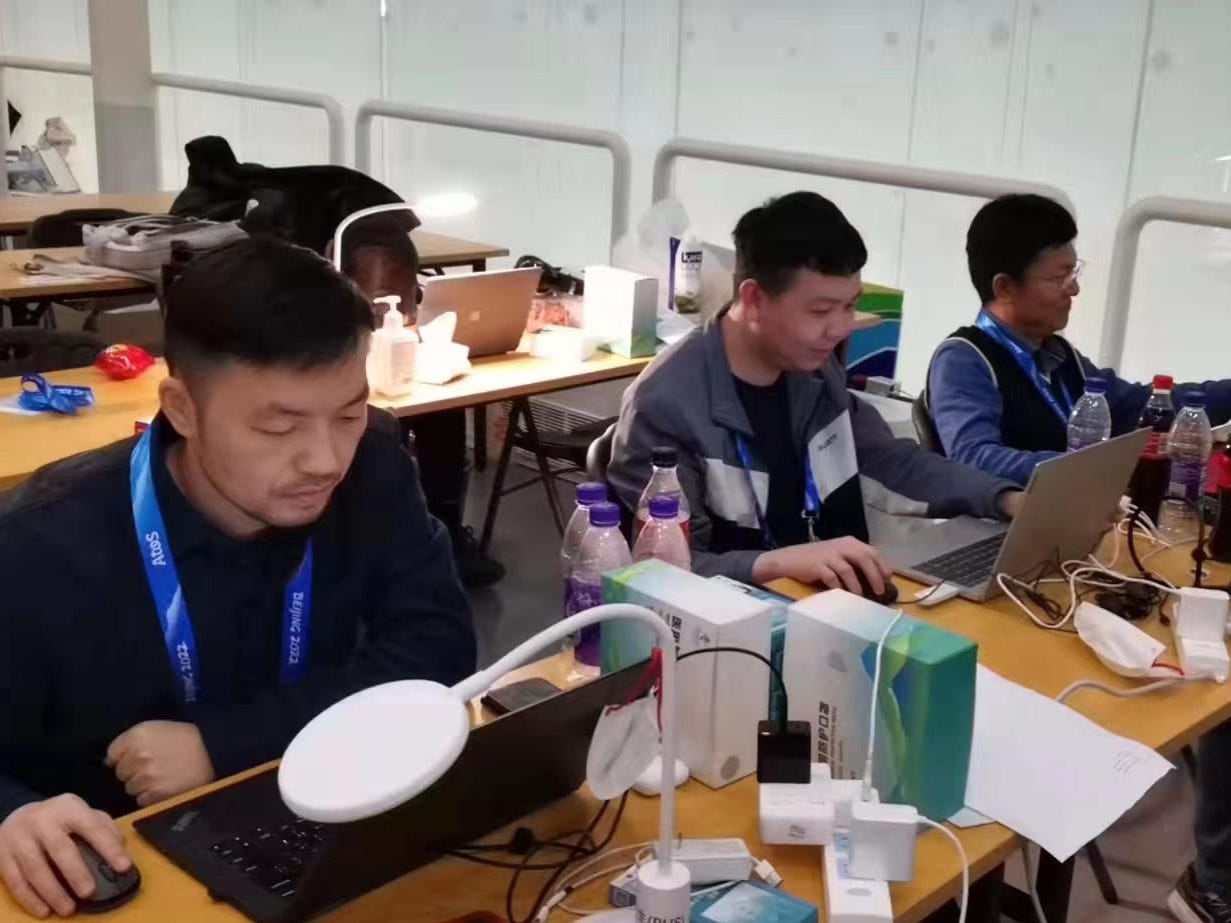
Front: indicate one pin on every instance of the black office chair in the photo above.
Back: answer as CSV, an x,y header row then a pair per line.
x,y
25,350
62,229
598,456
925,426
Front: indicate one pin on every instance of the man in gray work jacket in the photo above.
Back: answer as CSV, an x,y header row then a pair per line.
x,y
775,457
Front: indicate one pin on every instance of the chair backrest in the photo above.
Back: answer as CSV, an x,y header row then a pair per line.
x,y
598,456
24,350
63,229
925,426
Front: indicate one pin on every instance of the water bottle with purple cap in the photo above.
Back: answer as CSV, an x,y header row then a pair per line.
x,y
588,494
603,549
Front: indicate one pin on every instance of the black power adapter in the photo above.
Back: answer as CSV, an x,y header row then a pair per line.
x,y
784,752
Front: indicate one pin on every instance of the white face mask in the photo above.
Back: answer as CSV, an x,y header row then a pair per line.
x,y
1120,646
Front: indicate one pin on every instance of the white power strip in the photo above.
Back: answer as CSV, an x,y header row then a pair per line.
x,y
852,900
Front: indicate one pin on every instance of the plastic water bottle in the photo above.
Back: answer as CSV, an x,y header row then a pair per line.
x,y
602,549
588,494
1152,476
1189,446
1090,421
662,537
664,481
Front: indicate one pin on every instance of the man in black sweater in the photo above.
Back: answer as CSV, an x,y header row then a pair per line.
x,y
177,606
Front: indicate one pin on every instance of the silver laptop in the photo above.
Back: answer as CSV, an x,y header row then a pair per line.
x,y
491,307
1070,502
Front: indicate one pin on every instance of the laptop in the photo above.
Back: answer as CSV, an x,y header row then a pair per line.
x,y
250,851
491,307
1070,502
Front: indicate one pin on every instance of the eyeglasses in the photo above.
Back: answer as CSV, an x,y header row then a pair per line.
x,y
1068,278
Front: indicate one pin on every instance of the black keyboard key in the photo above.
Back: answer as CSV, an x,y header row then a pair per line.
x,y
968,566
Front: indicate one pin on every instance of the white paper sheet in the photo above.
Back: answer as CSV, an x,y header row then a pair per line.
x,y
1048,773
969,817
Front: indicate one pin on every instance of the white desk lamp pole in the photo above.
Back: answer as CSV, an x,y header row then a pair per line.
x,y
349,763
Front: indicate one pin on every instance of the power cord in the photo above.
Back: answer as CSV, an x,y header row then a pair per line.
x,y
1119,693
961,853
747,653
876,685
578,851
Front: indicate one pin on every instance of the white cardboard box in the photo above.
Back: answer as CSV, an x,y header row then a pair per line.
x,y
721,696
621,308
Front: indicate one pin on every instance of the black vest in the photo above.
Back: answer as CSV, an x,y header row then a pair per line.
x,y
1027,421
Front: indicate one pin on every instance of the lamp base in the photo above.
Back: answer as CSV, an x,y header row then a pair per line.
x,y
663,894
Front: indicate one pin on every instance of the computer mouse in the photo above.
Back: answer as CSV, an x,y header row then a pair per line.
x,y
887,598
111,888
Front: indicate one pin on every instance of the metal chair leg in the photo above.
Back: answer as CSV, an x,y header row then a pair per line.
x,y
502,469
549,481
1102,875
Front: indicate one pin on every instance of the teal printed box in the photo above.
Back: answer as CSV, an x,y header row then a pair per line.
x,y
925,710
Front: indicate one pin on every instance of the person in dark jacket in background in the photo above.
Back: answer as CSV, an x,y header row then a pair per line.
x,y
177,606
379,256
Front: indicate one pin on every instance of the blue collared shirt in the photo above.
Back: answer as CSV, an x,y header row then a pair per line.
x,y
966,405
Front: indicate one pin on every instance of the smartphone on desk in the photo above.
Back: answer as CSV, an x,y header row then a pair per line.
x,y
518,695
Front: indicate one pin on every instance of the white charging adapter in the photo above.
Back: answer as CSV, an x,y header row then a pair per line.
x,y
712,861
883,841
1200,627
849,899
797,813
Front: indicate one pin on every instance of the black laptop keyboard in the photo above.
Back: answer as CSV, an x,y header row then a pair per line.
x,y
276,856
968,566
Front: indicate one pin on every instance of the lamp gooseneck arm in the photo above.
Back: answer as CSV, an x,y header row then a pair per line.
x,y
480,682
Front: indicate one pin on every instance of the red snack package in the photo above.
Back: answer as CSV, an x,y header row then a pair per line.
x,y
122,362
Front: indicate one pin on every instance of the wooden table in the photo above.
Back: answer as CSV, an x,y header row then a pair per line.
x,y
436,252
1008,643
451,887
18,212
1048,662
29,442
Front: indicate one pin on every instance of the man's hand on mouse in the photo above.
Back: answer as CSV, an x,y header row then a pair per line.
x,y
832,564
1010,503
37,835
160,759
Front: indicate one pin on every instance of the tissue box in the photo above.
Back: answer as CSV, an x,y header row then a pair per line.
x,y
751,902
721,697
925,708
621,308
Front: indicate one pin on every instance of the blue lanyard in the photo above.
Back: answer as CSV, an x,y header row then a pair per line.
x,y
988,325
168,594
812,497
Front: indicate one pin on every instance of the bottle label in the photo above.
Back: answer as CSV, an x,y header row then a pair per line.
x,y
1156,445
1186,477
583,594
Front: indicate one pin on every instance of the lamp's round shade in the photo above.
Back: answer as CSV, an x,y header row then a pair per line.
x,y
372,751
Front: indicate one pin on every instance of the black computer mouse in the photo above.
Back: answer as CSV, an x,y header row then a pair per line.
x,y
887,598
111,888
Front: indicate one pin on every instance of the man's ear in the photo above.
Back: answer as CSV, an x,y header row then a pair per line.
x,y
752,297
176,402
1003,286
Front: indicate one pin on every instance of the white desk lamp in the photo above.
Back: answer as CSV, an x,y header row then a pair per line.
x,y
362,213
385,745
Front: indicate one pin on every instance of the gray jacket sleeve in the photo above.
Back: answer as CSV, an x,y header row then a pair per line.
x,y
899,476
643,426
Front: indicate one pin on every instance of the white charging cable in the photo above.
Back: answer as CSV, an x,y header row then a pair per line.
x,y
876,685
957,844
1077,572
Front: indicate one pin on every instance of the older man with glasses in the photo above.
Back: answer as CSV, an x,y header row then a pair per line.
x,y
1000,391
